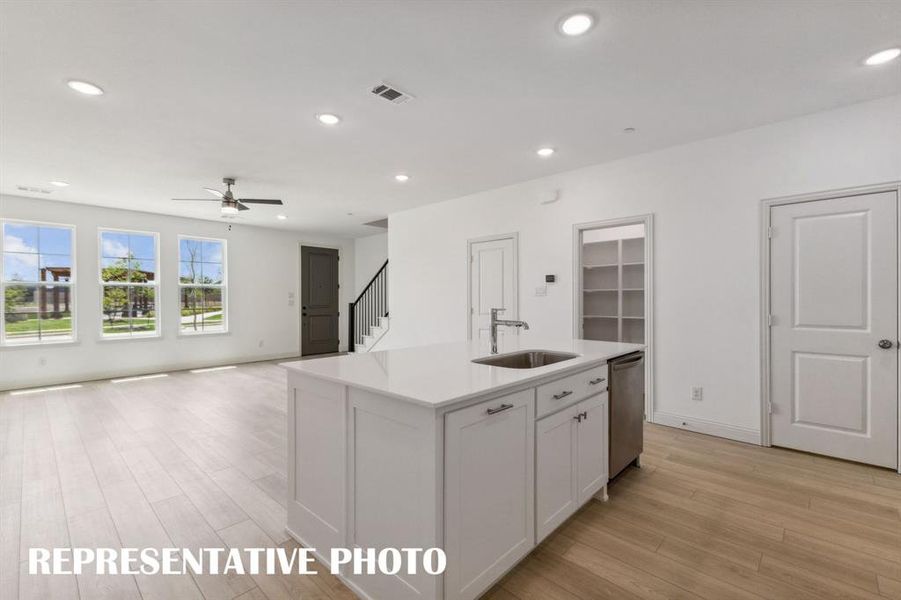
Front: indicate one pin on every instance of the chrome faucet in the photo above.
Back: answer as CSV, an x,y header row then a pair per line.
x,y
495,322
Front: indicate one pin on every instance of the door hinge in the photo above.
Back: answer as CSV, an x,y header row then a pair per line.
x,y
770,319
771,232
769,407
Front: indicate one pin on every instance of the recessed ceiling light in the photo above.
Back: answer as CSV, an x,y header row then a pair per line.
x,y
84,87
328,119
545,152
882,57
59,183
281,217
401,177
576,24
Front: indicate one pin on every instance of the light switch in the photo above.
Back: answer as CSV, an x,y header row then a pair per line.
x,y
541,290
290,298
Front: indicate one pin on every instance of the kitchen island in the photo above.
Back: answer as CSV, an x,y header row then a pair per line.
x,y
422,447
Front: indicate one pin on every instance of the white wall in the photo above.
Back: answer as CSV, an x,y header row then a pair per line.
x,y
706,200
370,253
263,268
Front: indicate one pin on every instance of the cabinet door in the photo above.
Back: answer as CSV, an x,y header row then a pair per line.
x,y
489,491
591,447
555,470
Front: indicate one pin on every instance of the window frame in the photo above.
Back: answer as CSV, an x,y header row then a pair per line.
x,y
222,287
71,284
156,285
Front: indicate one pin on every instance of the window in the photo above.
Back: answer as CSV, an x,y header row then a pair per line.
x,y
201,280
37,277
128,276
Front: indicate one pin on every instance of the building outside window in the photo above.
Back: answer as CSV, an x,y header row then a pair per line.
x,y
37,277
202,285
130,282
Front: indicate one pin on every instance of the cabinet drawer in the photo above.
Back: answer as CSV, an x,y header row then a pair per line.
x,y
566,391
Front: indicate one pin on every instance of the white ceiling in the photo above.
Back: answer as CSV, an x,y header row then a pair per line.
x,y
197,90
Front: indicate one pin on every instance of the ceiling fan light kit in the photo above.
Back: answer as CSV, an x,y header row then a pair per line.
x,y
230,205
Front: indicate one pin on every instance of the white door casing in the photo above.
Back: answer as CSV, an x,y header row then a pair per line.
x,y
833,297
492,282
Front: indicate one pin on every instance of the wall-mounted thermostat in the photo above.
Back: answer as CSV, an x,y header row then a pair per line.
x,y
550,278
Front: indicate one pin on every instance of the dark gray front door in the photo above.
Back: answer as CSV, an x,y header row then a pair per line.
x,y
319,300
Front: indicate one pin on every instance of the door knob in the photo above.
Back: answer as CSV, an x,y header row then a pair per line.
x,y
886,344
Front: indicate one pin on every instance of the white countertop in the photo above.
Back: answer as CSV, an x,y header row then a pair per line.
x,y
443,374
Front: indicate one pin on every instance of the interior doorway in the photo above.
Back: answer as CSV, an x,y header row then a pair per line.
x,y
319,300
832,318
493,282
613,287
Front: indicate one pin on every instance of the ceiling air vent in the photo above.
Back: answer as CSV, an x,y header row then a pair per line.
x,y
33,190
390,93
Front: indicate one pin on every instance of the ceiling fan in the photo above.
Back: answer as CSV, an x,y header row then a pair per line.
x,y
230,204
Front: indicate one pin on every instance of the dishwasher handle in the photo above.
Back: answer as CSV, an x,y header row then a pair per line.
x,y
628,364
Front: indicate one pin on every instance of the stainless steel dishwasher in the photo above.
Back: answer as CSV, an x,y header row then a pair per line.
x,y
626,411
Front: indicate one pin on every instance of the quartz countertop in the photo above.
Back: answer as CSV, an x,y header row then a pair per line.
x,y
443,374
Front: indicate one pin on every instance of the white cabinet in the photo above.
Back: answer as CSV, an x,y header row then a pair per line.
x,y
489,491
555,477
591,447
486,481
571,461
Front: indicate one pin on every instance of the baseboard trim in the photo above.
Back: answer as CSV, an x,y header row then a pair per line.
x,y
723,430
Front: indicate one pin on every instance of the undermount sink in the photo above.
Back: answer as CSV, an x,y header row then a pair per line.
x,y
527,359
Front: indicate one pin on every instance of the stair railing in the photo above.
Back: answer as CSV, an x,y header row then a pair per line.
x,y
368,308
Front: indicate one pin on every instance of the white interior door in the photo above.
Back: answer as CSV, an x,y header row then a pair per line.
x,y
492,283
834,298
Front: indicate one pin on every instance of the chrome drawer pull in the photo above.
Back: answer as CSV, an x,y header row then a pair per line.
x,y
562,395
596,381
501,408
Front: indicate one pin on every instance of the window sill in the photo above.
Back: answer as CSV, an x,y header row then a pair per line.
x,y
8,346
182,334
127,338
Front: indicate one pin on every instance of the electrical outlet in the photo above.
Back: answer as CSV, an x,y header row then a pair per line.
x,y
697,393
290,298
541,290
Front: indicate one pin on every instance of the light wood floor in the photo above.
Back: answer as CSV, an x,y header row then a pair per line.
x,y
199,460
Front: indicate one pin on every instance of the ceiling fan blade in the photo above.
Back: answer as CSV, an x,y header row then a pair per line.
x,y
261,201
196,200
216,193
241,206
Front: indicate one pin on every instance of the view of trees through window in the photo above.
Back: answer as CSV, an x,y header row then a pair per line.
x,y
128,276
202,285
37,282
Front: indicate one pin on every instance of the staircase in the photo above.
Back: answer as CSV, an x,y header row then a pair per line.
x,y
367,319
